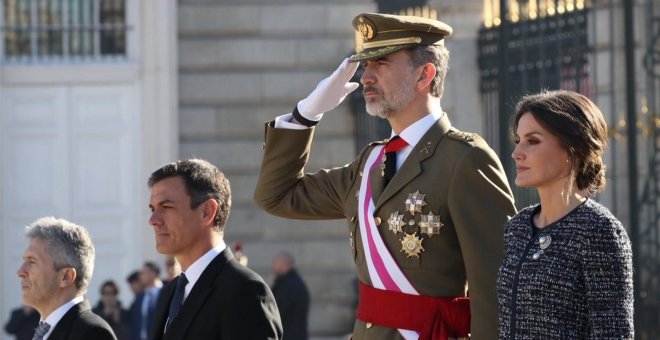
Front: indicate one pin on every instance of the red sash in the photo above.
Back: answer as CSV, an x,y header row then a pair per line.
x,y
435,318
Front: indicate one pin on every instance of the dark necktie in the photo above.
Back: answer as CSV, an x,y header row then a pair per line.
x,y
41,331
177,299
395,144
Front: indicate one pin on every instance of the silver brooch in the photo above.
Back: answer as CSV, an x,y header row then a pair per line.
x,y
544,243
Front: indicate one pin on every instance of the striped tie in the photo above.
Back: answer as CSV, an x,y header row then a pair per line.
x,y
41,331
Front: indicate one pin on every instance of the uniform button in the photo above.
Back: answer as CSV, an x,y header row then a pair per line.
x,y
369,324
377,220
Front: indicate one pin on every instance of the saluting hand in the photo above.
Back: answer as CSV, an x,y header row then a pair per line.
x,y
330,92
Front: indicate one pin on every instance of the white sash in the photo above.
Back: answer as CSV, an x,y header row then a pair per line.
x,y
384,272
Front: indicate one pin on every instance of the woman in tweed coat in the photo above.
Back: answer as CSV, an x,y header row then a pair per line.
x,y
567,269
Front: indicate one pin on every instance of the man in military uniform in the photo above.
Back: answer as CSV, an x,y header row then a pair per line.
x,y
425,209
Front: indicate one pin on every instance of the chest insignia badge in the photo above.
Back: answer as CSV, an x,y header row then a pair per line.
x,y
395,222
430,224
415,202
411,245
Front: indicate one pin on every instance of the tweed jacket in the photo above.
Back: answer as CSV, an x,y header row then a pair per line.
x,y
463,183
578,287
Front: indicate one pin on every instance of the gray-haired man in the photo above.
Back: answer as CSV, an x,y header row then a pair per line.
x,y
56,270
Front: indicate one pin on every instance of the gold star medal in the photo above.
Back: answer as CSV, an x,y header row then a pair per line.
x,y
415,202
396,222
430,224
411,245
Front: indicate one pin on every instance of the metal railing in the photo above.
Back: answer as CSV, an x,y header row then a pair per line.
x,y
44,31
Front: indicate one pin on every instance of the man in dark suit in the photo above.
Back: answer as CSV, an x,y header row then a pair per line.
x,y
23,322
143,310
425,209
292,297
56,270
214,297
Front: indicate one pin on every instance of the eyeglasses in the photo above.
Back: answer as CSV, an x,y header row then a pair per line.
x,y
108,292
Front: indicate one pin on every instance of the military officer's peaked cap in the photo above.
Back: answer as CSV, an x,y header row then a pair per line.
x,y
383,34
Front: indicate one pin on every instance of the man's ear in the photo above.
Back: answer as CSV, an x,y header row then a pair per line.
x,y
209,210
67,277
426,75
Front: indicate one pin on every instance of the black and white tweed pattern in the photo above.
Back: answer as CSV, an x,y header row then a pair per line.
x,y
580,287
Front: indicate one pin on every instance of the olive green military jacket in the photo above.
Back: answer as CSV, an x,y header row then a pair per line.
x,y
463,182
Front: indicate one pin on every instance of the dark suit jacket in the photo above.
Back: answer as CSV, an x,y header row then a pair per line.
x,y
229,301
21,325
464,184
79,323
292,299
136,314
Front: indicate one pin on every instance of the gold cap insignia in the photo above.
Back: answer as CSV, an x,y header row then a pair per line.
x,y
366,27
411,245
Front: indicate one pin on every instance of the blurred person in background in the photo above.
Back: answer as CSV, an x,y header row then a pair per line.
x,y
172,269
111,310
22,322
239,255
133,280
143,310
292,297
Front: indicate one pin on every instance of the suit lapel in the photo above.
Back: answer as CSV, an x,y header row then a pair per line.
x,y
161,311
197,297
412,166
63,327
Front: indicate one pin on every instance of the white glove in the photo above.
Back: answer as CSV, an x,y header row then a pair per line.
x,y
330,92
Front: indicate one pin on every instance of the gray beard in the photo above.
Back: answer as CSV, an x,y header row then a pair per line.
x,y
401,97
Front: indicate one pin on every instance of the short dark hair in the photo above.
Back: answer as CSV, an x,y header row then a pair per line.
x,y
111,284
133,277
203,181
438,55
580,128
153,267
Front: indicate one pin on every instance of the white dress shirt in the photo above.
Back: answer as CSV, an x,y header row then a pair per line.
x,y
58,314
197,268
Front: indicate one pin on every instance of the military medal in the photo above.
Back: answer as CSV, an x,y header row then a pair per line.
x,y
411,245
430,224
415,202
396,222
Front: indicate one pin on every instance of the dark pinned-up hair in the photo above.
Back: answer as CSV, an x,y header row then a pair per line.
x,y
580,128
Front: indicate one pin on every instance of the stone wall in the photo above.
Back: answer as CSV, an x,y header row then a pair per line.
x,y
242,63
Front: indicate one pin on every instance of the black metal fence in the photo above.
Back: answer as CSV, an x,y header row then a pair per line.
x,y
518,58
